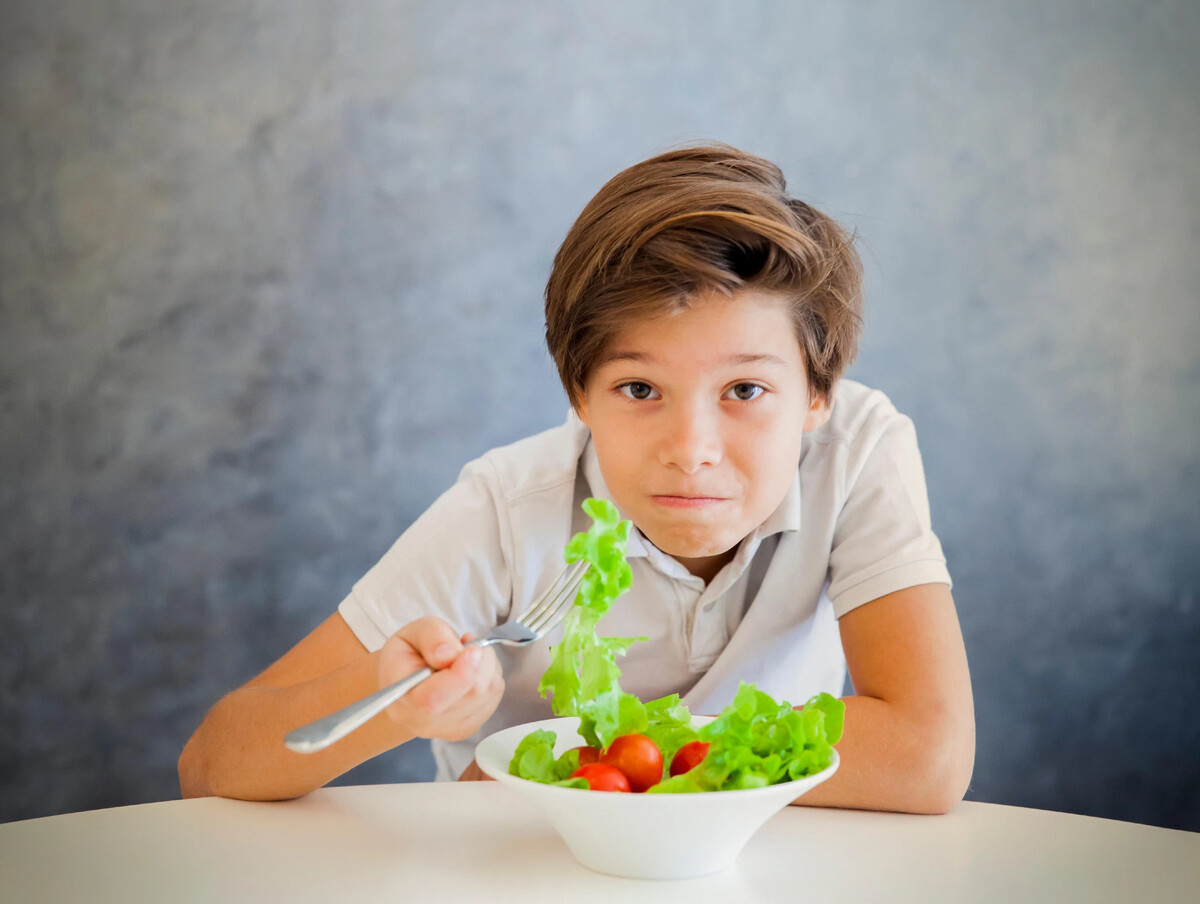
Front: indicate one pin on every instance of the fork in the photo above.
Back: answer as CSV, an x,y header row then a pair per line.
x,y
534,623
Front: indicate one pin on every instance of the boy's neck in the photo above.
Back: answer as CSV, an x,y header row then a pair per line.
x,y
707,567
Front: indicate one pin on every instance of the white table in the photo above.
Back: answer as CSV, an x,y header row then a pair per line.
x,y
480,842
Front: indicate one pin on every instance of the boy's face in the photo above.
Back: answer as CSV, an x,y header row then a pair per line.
x,y
697,419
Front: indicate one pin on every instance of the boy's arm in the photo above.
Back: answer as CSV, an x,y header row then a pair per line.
x,y
909,740
238,749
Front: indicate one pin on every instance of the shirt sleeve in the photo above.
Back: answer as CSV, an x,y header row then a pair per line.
x,y
451,563
883,540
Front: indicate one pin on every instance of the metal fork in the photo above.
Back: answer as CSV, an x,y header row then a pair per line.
x,y
534,623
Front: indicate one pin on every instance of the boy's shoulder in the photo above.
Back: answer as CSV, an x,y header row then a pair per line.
x,y
536,463
859,418
863,425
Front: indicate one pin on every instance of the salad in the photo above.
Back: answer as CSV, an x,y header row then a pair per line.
x,y
655,747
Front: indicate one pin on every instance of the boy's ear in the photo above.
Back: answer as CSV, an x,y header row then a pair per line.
x,y
819,408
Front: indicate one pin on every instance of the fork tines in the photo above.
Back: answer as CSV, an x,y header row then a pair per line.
x,y
540,615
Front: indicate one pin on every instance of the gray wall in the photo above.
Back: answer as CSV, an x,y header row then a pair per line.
x,y
269,274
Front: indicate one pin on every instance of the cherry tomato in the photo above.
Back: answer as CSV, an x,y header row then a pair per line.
x,y
688,757
587,755
638,757
602,778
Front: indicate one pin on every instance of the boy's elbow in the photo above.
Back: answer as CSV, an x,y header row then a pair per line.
x,y
192,780
949,766
946,791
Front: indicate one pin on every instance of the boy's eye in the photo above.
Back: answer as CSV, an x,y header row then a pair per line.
x,y
744,392
637,391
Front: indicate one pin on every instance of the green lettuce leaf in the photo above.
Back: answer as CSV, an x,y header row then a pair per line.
x,y
756,741
582,679
610,715
669,726
534,759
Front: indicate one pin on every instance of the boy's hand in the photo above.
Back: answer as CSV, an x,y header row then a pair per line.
x,y
455,702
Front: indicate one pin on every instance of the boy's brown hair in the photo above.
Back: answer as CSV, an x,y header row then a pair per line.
x,y
694,220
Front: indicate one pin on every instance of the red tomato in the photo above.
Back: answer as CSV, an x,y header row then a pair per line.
x,y
602,778
688,757
587,755
638,757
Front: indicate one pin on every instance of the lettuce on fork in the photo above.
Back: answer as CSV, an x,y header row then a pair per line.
x,y
754,742
583,674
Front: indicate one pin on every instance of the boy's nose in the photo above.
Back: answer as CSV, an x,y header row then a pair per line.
x,y
691,441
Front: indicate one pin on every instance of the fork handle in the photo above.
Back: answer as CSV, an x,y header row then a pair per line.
x,y
320,734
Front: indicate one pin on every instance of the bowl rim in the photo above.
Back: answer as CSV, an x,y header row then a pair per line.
x,y
571,723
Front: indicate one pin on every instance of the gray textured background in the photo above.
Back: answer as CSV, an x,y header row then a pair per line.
x,y
270,273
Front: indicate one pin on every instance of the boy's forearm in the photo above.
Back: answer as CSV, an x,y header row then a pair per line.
x,y
238,749
894,760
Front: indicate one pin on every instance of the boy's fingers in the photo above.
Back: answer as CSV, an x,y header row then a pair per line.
x,y
441,691
489,672
453,683
467,663
466,677
475,674
434,640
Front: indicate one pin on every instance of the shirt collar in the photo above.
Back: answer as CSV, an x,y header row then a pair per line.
x,y
786,516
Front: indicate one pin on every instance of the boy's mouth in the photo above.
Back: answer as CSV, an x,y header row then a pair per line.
x,y
687,502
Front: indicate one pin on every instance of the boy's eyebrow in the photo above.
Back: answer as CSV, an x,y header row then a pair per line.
x,y
757,359
643,358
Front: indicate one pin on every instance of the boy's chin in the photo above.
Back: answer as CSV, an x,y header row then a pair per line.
x,y
695,547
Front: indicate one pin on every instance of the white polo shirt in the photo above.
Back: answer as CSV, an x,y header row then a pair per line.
x,y
853,527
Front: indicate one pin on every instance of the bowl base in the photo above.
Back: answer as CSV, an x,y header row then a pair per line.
x,y
623,869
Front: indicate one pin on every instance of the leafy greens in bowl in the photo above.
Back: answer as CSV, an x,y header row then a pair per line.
x,y
754,742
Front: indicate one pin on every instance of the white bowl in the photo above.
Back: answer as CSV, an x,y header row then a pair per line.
x,y
643,836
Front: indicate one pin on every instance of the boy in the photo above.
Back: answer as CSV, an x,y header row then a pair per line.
x,y
700,320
